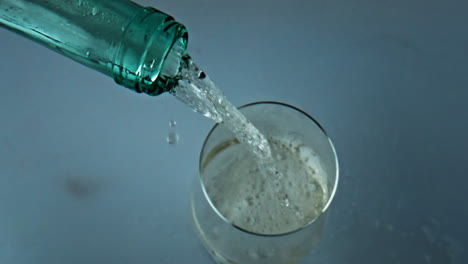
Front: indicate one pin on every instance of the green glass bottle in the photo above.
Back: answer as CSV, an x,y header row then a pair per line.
x,y
139,47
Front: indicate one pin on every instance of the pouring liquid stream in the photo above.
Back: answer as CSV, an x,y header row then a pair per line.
x,y
196,90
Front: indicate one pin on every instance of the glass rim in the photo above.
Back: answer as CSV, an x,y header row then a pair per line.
x,y
332,194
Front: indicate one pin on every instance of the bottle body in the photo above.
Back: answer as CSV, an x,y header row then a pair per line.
x,y
136,46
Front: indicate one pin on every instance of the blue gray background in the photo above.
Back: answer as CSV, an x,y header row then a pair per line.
x,y
86,175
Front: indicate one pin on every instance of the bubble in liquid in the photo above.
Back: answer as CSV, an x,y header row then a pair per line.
x,y
284,199
172,138
250,201
313,187
299,213
172,123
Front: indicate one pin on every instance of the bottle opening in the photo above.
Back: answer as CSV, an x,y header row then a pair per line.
x,y
171,65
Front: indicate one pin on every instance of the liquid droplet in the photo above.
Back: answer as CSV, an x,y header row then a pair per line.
x,y
88,52
172,123
172,138
94,11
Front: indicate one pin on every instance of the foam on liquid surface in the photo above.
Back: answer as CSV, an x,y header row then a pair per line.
x,y
242,195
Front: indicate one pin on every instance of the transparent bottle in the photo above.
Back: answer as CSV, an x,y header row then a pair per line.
x,y
140,47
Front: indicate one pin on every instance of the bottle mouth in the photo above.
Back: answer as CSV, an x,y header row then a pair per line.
x,y
164,77
171,65
150,53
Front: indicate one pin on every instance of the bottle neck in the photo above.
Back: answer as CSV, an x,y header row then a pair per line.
x,y
139,47
149,55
